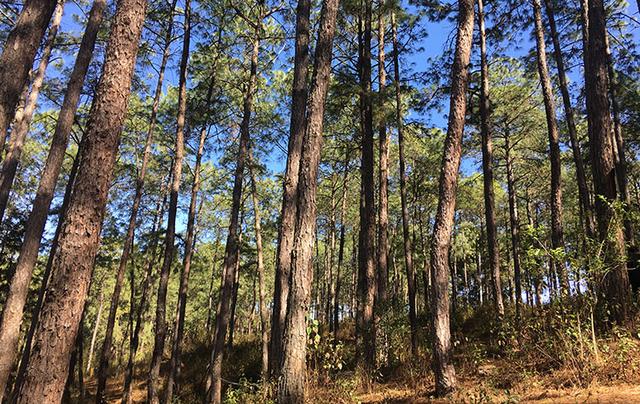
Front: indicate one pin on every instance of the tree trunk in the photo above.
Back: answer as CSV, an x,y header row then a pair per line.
x,y
408,249
581,177
487,169
14,306
343,212
18,55
106,352
291,386
80,232
557,241
367,254
514,224
22,124
169,249
264,315
236,287
444,370
615,285
214,395
94,335
286,231
383,142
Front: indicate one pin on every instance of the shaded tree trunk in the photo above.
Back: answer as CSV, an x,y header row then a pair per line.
x,y
343,212
23,122
514,224
557,239
615,285
487,169
286,231
80,232
291,386
408,249
14,306
383,163
18,55
442,349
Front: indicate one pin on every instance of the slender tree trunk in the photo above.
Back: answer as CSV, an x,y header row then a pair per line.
x,y
21,125
343,212
94,335
18,55
214,395
487,169
557,241
286,231
615,284
291,386
80,233
581,177
150,263
408,249
442,349
264,315
383,142
14,306
514,224
169,249
236,287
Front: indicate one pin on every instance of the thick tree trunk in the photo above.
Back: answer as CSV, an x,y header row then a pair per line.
x,y
21,125
557,239
408,249
231,259
615,285
487,169
383,163
264,315
80,233
291,386
14,306
286,231
169,249
18,55
443,367
367,253
106,352
514,224
581,177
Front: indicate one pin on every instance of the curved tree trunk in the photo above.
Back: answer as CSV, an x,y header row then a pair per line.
x,y
80,233
443,366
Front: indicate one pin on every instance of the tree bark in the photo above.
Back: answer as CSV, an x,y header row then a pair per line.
x,y
383,163
169,249
444,370
343,212
557,238
105,355
408,249
21,125
14,306
214,395
80,232
581,177
286,231
514,224
94,335
291,386
615,284
18,55
487,169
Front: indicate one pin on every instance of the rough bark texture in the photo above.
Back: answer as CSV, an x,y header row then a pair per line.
x,y
557,239
23,122
231,249
581,177
291,385
406,237
106,352
286,231
18,55
615,284
169,248
487,169
367,253
80,233
383,163
443,366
